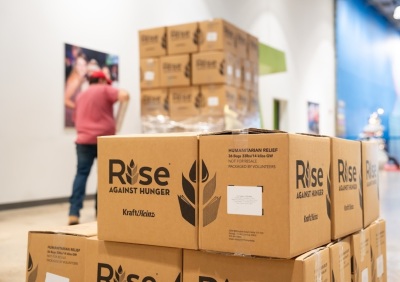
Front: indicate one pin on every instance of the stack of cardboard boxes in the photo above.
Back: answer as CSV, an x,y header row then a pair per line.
x,y
225,206
200,76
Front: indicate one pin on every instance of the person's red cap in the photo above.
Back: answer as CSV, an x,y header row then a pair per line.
x,y
100,74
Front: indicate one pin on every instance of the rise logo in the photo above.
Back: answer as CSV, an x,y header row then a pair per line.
x,y
372,170
346,173
106,273
308,176
130,174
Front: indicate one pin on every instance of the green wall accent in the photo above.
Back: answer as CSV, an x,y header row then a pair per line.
x,y
270,60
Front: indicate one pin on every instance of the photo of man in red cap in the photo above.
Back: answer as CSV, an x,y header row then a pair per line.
x,y
93,117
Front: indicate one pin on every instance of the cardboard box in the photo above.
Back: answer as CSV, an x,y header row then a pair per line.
x,y
265,194
252,48
153,42
243,100
340,259
378,251
175,70
112,261
58,253
213,67
248,70
149,73
215,97
370,181
238,73
361,256
182,101
154,102
183,38
147,189
213,267
253,102
345,191
217,35
241,44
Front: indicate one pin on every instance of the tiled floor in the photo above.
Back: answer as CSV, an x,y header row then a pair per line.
x,y
15,224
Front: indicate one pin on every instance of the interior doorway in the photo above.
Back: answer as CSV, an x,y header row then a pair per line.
x,y
280,115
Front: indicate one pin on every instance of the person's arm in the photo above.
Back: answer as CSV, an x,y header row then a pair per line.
x,y
123,99
73,83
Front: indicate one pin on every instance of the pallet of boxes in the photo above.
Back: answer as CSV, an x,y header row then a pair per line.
x,y
235,205
200,76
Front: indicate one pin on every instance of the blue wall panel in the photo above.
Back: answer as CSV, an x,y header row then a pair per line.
x,y
364,64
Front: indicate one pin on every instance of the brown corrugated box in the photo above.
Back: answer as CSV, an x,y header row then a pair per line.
x,y
378,251
183,38
215,97
153,42
182,102
217,34
58,253
149,73
370,181
175,70
252,48
361,256
212,267
213,67
154,102
340,258
147,187
263,193
346,193
112,261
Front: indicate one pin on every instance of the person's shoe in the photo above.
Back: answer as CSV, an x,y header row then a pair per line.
x,y
73,220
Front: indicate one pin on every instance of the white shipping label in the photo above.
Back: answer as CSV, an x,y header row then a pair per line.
x,y
50,277
238,73
379,266
229,70
212,36
364,275
213,101
248,76
149,75
244,200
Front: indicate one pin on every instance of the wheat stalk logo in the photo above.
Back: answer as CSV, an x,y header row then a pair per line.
x,y
119,275
210,203
188,70
187,202
32,272
328,196
360,195
308,174
164,41
222,67
131,173
200,101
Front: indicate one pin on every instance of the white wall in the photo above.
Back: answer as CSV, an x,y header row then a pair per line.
x,y
37,155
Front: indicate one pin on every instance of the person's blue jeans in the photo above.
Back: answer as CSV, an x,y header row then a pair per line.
x,y
86,155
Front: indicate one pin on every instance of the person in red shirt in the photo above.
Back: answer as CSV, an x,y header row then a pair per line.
x,y
93,116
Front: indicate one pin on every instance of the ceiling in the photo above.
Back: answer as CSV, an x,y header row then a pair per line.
x,y
386,8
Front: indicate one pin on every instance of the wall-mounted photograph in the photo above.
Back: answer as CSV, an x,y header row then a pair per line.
x,y
79,64
313,118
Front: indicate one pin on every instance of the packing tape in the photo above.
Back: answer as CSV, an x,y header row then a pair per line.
x,y
341,262
318,267
363,249
379,241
